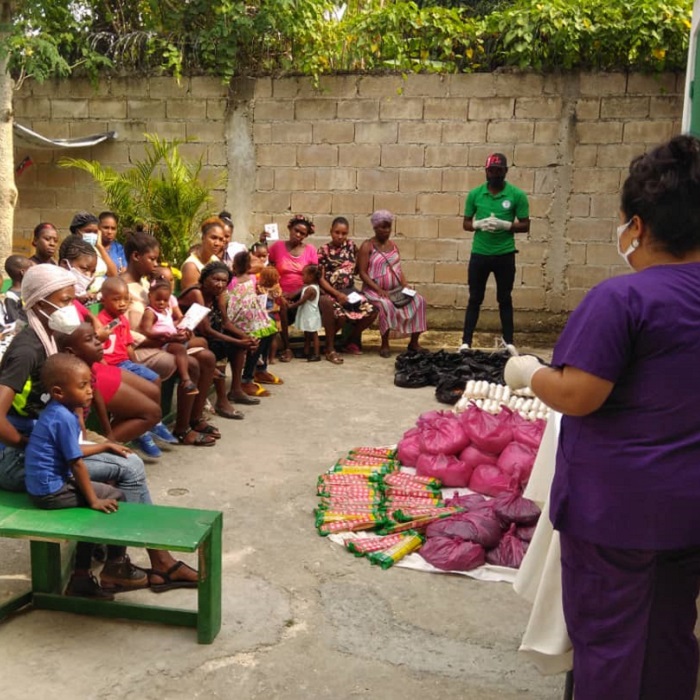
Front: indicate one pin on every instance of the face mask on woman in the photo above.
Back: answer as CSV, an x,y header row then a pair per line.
x,y
65,319
634,244
82,281
90,237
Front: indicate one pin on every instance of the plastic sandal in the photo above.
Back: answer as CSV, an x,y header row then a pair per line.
x,y
267,378
201,426
190,388
200,441
169,583
335,358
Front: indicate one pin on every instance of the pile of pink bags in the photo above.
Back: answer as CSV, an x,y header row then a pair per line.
x,y
490,454
495,531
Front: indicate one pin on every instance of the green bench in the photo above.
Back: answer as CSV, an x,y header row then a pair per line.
x,y
133,525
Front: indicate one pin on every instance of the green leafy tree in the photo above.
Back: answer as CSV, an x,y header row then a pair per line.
x,y
163,192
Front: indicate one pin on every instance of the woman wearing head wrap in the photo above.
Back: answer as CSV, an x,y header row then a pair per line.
x,y
47,291
86,225
379,265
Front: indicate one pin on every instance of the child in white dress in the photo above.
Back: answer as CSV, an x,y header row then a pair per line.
x,y
308,318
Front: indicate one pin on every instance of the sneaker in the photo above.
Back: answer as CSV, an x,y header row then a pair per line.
x,y
463,347
149,448
87,586
160,432
121,575
512,351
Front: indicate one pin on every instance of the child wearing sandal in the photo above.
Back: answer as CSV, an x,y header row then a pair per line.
x,y
308,318
269,284
158,325
56,476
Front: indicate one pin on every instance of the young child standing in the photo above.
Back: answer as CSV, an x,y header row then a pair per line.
x,y
15,267
56,476
269,284
158,325
308,318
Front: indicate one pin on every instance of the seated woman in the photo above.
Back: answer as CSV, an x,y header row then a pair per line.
x,y
226,341
338,263
86,226
142,251
290,257
48,296
209,250
379,265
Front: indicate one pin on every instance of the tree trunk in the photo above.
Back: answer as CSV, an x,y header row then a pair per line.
x,y
8,190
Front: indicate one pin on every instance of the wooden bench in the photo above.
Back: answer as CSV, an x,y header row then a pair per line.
x,y
133,525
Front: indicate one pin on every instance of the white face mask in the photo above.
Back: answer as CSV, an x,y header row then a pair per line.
x,y
65,319
634,244
90,238
82,281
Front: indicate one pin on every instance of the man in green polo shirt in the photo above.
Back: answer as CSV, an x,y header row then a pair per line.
x,y
494,211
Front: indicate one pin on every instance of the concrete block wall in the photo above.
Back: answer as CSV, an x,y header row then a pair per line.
x,y
414,145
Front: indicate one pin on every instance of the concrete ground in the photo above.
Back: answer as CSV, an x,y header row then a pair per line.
x,y
301,617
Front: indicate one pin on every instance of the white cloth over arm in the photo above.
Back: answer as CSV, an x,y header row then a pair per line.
x,y
545,642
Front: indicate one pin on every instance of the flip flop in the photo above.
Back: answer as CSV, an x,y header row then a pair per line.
x,y
267,378
243,399
254,389
169,583
231,415
352,349
190,388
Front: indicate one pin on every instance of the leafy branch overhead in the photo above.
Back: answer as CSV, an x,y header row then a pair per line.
x,y
163,193
313,37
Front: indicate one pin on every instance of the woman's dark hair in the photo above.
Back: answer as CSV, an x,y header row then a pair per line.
x,y
301,219
81,219
43,226
140,243
159,284
210,223
225,216
212,268
340,220
663,189
241,262
74,247
315,270
108,215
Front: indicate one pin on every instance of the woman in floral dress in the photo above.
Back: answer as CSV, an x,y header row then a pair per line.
x,y
338,263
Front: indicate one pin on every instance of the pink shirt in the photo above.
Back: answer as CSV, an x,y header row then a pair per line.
x,y
289,266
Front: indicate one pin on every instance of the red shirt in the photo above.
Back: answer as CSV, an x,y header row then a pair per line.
x,y
115,346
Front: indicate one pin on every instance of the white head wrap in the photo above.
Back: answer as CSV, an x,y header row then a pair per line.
x,y
39,282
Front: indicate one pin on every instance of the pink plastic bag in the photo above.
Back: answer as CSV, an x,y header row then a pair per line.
x,y
449,470
408,448
452,555
481,526
514,508
428,418
488,432
509,552
473,456
517,459
444,436
470,501
491,481
527,432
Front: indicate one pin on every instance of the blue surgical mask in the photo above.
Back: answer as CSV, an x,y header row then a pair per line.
x,y
90,238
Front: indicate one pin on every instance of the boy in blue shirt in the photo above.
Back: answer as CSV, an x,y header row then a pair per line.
x,y
56,475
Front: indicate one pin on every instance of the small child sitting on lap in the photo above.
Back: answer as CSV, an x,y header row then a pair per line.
x,y
308,318
56,476
119,347
15,267
158,325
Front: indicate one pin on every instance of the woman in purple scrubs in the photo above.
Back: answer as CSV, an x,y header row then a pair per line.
x,y
626,491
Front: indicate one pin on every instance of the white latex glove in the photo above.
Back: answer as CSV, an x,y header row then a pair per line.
x,y
500,224
519,371
480,224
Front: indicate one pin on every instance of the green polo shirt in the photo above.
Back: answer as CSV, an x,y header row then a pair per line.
x,y
509,204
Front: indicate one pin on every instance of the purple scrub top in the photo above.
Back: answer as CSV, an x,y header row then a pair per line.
x,y
628,475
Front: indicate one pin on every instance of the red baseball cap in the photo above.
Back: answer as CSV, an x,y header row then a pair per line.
x,y
496,160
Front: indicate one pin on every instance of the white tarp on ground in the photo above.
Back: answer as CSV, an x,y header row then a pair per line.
x,y
39,141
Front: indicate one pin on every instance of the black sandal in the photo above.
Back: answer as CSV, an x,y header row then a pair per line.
x,y
200,441
201,426
169,583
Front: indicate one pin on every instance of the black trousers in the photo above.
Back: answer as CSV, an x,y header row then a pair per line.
x,y
503,269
